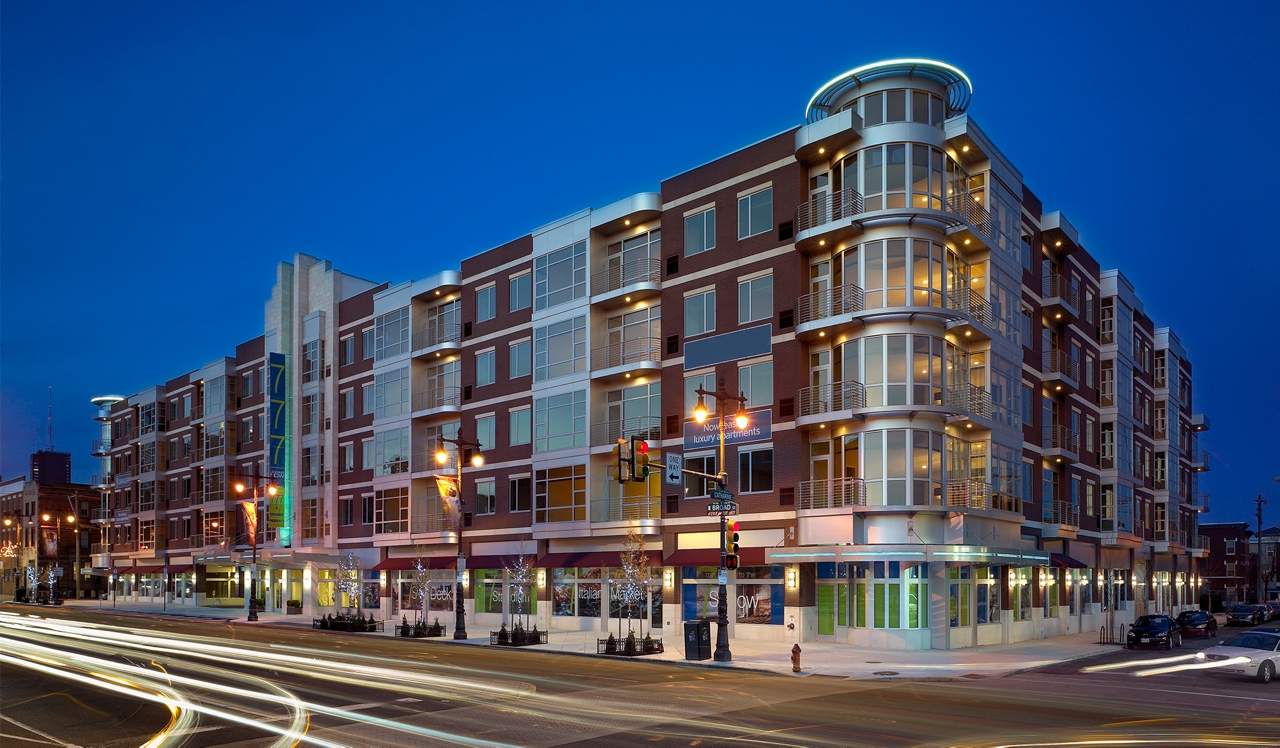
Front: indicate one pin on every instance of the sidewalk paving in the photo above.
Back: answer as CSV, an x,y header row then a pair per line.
x,y
818,658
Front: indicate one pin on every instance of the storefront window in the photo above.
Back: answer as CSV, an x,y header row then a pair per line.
x,y
760,595
575,592
701,595
324,588
958,601
489,591
917,597
988,594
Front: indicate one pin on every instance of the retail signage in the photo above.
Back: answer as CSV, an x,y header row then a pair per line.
x,y
729,346
275,513
706,435
278,420
121,516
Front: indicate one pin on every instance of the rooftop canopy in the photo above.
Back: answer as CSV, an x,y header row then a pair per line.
x,y
959,87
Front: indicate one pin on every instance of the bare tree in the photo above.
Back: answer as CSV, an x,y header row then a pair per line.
x,y
634,586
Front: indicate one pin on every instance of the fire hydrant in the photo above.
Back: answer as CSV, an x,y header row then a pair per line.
x,y
795,658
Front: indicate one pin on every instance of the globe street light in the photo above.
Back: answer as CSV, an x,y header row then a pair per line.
x,y
477,460
253,536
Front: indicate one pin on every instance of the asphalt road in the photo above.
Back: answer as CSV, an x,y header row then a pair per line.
x,y
94,679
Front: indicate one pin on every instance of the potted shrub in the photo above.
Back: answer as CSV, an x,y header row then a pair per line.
x,y
611,645
293,607
517,635
534,637
629,648
404,626
436,629
503,636
648,644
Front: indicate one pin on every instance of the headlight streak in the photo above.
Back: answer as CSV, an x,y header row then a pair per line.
x,y
1135,663
285,698
1193,666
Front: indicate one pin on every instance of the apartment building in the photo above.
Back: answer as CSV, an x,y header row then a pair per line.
x,y
960,431
46,528
1229,572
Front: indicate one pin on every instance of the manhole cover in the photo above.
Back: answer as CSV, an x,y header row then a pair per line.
x,y
885,672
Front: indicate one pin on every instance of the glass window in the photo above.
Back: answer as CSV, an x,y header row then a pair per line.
x,y
391,452
347,458
755,471
756,382
391,510
560,421
486,497
486,368
348,398
519,494
366,398
521,358
700,232
560,276
705,382
366,454
391,334
486,304
696,486
560,494
873,110
521,292
486,429
895,106
521,426
347,350
366,341
755,299
755,213
391,393
560,349
699,313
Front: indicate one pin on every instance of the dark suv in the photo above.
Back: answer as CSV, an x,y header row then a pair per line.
x,y
1244,613
1197,623
1154,631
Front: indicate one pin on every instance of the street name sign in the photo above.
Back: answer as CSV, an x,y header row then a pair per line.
x,y
719,494
722,507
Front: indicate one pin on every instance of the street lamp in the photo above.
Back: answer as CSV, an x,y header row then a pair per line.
x,y
477,460
722,652
251,512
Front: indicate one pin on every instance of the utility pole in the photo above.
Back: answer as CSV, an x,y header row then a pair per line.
x,y
1258,559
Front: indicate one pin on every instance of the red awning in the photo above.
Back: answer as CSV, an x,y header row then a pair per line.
x,y
183,569
711,557
490,562
409,564
591,559
1063,561
143,570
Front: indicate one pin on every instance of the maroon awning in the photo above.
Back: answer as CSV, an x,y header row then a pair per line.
x,y
144,570
711,557
1063,561
182,569
591,559
491,562
409,564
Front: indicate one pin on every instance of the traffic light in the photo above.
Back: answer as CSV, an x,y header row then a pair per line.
x,y
639,460
622,462
731,561
731,539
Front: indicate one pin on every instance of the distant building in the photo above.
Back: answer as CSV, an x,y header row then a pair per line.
x,y
49,467
1269,556
1228,574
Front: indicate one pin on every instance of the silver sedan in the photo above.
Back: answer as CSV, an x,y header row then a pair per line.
x,y
1254,653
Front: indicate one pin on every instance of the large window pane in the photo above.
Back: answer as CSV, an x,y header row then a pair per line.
x,y
699,313
700,232
560,276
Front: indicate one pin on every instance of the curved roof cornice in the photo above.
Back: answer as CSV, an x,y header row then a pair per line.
x,y
959,87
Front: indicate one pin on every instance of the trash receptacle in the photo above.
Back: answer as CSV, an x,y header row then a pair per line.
x,y
697,640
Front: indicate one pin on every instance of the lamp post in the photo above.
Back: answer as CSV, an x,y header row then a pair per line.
x,y
253,536
722,653
477,460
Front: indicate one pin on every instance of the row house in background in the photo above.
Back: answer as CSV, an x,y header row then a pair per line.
x,y
960,431
1229,571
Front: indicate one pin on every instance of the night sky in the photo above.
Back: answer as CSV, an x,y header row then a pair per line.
x,y
158,160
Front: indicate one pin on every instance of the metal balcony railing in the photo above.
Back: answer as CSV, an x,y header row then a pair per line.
x,y
436,522
197,454
970,398
971,302
961,203
971,493
1061,512
617,509
830,398
197,497
391,467
1054,284
1059,362
100,479
437,397
426,462
97,549
609,432
1200,542
831,493
1060,437
98,514
634,351
834,207
197,411
125,435
129,547
1199,457
437,334
146,545
647,270
195,541
100,446
832,302
1199,500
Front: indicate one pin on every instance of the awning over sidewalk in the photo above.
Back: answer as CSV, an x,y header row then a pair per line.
x,y
909,553
142,570
1063,561
409,564
711,557
591,560
181,569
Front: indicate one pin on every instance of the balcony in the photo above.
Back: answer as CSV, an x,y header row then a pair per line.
x,y
1198,546
1060,444
1199,460
981,322
969,494
98,549
129,547
835,401
1198,500
197,497
627,282
1123,531
1060,374
821,222
830,493
1058,300
608,433
197,411
425,462
1061,519
621,360
101,480
197,455
828,311
99,515
436,338
626,508
960,203
969,399
1199,422
433,522
437,400
100,447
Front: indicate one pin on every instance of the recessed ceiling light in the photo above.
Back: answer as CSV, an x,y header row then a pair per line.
x,y
1058,243
627,222
967,333
822,242
965,149
966,241
628,298
822,150
1057,316
822,335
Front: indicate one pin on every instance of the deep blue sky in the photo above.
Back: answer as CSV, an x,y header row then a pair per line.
x,y
159,158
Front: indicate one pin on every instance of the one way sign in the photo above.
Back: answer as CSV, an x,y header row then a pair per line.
x,y
675,464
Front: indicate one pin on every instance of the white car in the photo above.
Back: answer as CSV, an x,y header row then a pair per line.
x,y
1255,653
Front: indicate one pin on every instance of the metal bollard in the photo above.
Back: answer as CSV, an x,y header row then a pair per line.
x,y
795,658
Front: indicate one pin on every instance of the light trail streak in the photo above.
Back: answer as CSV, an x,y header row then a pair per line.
x,y
1194,666
1135,663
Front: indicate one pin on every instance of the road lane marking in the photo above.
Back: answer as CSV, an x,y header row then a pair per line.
x,y
44,735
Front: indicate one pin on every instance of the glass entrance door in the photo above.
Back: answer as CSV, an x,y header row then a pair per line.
x,y
826,612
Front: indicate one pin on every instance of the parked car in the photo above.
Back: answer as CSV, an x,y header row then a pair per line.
x,y
1244,613
1264,610
1253,653
1197,623
1275,609
1154,631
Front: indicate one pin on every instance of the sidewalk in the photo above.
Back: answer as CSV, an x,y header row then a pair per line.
x,y
817,658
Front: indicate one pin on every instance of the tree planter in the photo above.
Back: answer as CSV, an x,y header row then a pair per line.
x,y
629,647
517,637
293,608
